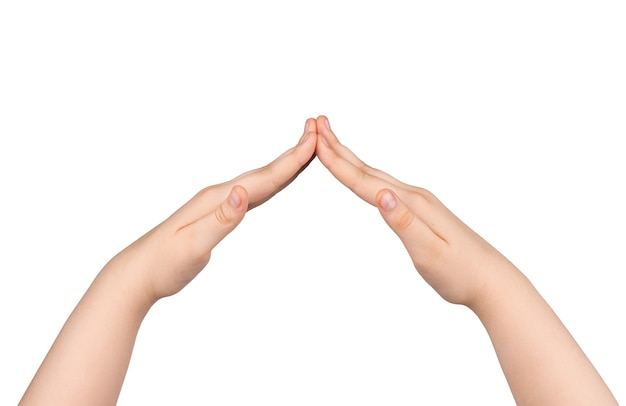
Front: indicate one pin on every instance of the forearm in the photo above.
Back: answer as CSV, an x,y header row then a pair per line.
x,y
88,361
542,362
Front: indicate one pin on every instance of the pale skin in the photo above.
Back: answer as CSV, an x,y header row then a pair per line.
x,y
88,361
543,364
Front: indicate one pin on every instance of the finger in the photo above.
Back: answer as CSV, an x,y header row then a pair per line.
x,y
361,183
422,243
263,183
260,184
327,135
209,230
310,129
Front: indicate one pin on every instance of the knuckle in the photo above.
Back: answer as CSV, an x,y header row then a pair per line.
x,y
355,183
222,216
270,174
425,194
366,168
369,170
404,220
421,199
205,193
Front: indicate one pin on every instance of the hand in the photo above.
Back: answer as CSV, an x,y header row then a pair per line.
x,y
169,256
451,257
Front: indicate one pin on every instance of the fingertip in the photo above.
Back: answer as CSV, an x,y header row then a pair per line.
x,y
310,131
234,200
323,129
210,229
386,200
311,125
322,121
323,124
238,197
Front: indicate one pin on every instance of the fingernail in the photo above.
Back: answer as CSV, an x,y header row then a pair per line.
x,y
234,200
388,202
327,123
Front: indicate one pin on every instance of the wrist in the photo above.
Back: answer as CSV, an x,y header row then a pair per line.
x,y
500,279
128,287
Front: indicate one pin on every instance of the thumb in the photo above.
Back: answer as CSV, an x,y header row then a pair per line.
x,y
414,233
217,224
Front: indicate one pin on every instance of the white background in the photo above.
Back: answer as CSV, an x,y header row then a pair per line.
x,y
113,114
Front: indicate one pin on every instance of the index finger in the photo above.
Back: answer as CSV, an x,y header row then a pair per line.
x,y
362,183
323,128
265,182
